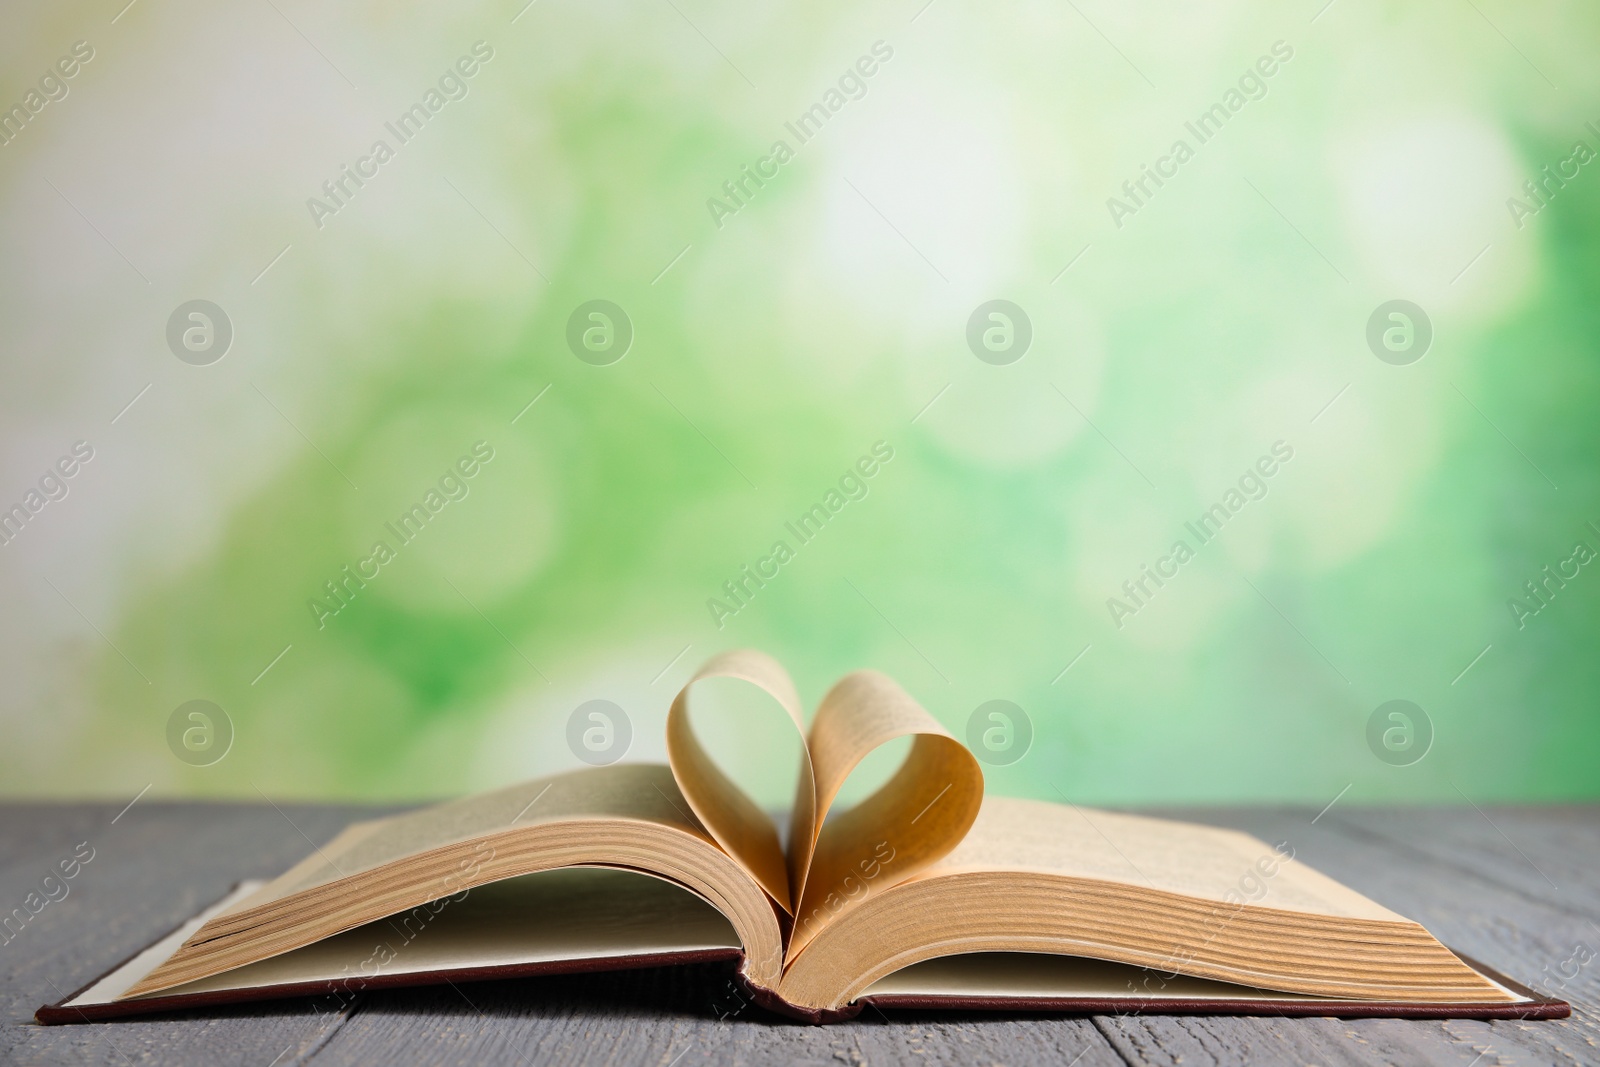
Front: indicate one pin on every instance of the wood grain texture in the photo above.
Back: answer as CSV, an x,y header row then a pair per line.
x,y
1517,888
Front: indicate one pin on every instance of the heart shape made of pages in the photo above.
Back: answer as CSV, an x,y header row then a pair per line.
x,y
914,819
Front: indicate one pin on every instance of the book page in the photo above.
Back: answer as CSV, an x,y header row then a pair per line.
x,y
626,791
744,831
915,818
1039,975
570,914
622,816
919,815
1174,857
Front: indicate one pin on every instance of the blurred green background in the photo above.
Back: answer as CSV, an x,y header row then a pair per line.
x,y
772,347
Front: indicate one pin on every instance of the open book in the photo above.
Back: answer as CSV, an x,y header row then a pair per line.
x,y
925,894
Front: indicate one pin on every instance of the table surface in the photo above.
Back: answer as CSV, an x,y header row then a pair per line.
x,y
1518,888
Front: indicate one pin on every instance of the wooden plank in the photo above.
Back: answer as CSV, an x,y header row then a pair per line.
x,y
160,862
1199,1041
179,856
1546,854
665,1017
153,868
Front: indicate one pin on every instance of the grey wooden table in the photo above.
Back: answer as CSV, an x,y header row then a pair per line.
x,y
1518,888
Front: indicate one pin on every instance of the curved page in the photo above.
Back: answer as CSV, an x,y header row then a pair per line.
x,y
628,816
918,816
743,830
